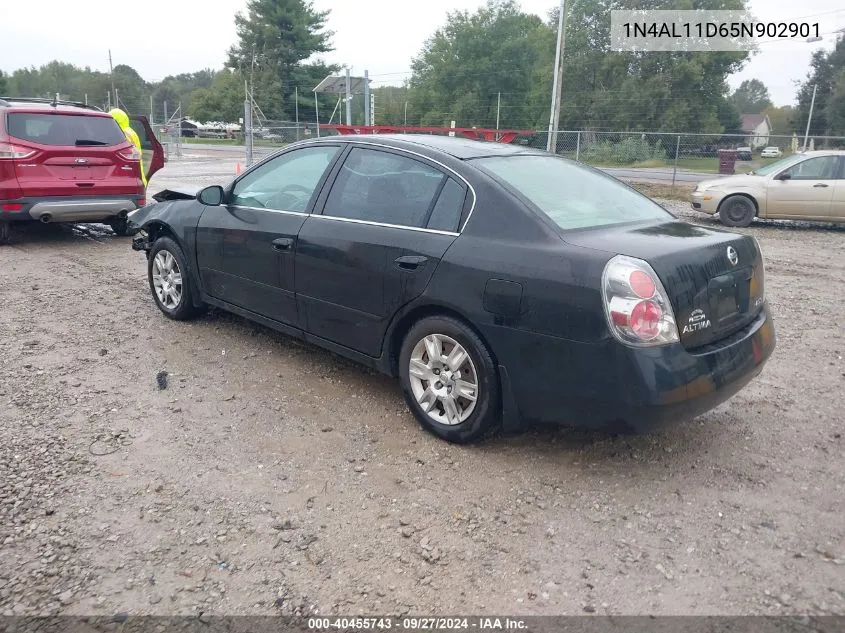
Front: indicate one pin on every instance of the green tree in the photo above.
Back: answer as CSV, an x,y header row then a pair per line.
x,y
222,101
4,84
782,119
276,37
466,64
826,75
751,97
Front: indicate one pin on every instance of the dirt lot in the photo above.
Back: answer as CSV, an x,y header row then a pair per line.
x,y
272,477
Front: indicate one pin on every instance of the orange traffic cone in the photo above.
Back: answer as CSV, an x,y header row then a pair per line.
x,y
237,168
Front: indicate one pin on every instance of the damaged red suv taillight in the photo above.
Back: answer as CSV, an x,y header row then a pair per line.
x,y
636,304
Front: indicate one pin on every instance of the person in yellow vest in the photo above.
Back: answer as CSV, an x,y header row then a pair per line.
x,y
122,120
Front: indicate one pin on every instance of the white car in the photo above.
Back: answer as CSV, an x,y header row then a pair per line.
x,y
771,152
806,186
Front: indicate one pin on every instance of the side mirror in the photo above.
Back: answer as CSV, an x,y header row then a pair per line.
x,y
211,196
784,176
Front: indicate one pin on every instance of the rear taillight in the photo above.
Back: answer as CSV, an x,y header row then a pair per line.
x,y
11,206
8,151
637,306
130,153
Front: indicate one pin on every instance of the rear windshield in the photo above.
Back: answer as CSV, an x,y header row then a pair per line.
x,y
64,129
572,195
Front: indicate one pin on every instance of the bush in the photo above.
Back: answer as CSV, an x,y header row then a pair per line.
x,y
629,150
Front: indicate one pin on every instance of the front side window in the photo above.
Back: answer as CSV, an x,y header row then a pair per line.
x,y
572,195
818,168
285,183
382,187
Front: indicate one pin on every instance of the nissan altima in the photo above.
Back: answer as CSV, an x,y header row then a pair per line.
x,y
500,284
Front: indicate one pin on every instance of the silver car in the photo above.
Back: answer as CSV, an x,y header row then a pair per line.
x,y
804,186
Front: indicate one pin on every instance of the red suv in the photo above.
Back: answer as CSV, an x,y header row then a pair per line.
x,y
68,162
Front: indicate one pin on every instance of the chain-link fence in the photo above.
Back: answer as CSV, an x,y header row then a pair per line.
x,y
664,156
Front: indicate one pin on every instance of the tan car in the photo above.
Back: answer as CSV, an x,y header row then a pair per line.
x,y
804,186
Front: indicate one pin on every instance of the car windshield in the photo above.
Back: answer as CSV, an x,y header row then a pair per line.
x,y
777,165
65,129
572,195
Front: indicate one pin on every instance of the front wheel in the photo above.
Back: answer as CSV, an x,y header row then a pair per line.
x,y
737,211
170,281
449,380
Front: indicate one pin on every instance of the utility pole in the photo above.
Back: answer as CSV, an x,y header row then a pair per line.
x,y
111,77
406,114
557,88
317,113
810,117
367,104
348,98
498,108
296,105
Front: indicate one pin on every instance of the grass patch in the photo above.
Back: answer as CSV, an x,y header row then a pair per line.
x,y
666,192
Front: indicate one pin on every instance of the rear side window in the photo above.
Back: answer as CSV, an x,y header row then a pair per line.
x,y
447,212
382,187
64,129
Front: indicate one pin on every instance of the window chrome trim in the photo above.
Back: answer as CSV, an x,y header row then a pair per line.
x,y
384,224
436,162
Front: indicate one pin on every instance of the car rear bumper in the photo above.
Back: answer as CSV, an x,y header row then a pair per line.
x,y
615,387
71,209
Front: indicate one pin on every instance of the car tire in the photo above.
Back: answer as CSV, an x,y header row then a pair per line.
x,y
5,232
120,226
170,281
737,211
440,369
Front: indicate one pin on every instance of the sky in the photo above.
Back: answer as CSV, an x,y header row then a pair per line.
x,y
167,37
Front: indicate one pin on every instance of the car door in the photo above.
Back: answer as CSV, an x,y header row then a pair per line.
x,y
246,246
152,153
803,190
837,201
384,225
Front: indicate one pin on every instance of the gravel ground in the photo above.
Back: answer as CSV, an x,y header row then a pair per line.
x,y
271,477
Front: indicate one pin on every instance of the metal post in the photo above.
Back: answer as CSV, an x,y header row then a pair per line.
x,y
317,114
578,146
554,115
86,98
166,119
406,114
116,99
296,104
111,77
108,100
498,108
179,131
248,131
677,151
152,119
367,113
810,117
372,109
348,98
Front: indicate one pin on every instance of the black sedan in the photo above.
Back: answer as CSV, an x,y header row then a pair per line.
x,y
500,284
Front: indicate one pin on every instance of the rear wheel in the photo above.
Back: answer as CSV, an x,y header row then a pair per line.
x,y
120,226
449,380
737,211
5,232
170,281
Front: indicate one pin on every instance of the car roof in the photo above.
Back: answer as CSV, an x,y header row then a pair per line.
x,y
45,105
460,148
823,152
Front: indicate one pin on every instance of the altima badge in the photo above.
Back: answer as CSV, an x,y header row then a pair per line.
x,y
733,257
697,321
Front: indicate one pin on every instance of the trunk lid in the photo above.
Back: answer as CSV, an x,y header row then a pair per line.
x,y
74,154
714,278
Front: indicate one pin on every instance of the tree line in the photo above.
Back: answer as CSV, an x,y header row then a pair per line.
x,y
495,63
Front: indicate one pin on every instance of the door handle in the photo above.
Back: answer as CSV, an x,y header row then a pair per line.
x,y
282,244
411,262
820,184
